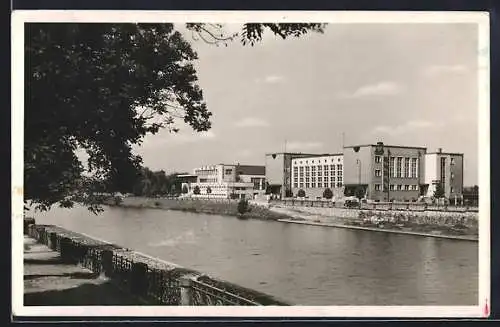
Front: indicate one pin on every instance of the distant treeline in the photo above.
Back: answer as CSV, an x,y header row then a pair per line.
x,y
155,183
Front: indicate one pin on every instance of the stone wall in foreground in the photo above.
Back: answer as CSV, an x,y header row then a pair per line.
x,y
151,280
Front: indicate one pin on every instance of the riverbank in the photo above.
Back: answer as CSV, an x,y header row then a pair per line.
x,y
434,233
223,207
458,226
391,223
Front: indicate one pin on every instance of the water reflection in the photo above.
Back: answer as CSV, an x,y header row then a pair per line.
x,y
305,264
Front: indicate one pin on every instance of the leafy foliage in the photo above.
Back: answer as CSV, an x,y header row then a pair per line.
x,y
439,191
154,183
251,33
99,89
328,194
360,192
233,196
196,190
301,193
242,206
209,190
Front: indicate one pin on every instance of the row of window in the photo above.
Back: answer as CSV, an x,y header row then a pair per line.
x,y
318,168
400,167
317,185
205,172
301,162
397,187
318,179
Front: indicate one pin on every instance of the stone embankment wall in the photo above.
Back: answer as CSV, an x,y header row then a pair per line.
x,y
442,218
150,280
213,206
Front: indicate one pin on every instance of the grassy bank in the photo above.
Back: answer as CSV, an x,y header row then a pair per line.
x,y
214,207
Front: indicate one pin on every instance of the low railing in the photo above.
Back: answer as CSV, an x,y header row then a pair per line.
x,y
195,292
151,280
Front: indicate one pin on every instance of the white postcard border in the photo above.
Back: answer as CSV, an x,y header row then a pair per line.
x,y
333,17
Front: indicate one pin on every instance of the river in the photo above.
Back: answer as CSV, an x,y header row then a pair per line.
x,y
306,265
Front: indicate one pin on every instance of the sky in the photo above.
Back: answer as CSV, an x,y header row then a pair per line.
x,y
402,84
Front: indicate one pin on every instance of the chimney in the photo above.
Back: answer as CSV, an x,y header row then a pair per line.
x,y
440,150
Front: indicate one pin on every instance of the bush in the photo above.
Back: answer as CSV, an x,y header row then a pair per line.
x,y
301,193
209,190
196,190
327,194
233,196
360,192
242,206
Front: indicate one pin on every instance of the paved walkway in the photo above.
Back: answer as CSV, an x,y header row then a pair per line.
x,y
49,281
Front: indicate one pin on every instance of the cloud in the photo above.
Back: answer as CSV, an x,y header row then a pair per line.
x,y
270,79
182,137
410,126
435,70
297,145
251,122
383,88
245,153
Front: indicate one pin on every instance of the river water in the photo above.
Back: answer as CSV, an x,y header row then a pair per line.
x,y
306,265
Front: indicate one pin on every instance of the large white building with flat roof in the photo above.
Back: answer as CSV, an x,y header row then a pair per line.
x,y
314,174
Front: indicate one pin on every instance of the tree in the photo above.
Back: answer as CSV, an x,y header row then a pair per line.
x,y
242,206
99,89
360,192
268,188
301,193
209,190
439,191
185,189
328,194
196,190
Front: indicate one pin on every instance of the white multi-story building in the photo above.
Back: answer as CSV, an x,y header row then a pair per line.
x,y
445,169
222,181
314,174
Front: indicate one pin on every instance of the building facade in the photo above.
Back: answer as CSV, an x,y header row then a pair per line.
x,y
384,172
317,173
446,169
226,181
279,171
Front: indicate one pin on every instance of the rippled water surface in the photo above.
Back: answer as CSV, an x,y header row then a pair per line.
x,y
307,265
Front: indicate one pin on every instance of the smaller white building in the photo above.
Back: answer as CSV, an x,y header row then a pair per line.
x,y
446,169
224,181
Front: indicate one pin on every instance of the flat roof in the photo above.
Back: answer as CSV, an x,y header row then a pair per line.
x,y
386,145
321,155
446,153
270,154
